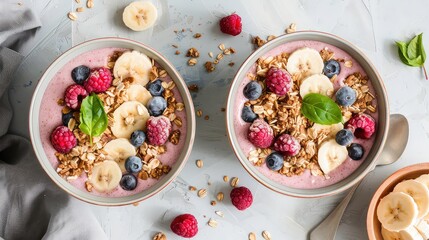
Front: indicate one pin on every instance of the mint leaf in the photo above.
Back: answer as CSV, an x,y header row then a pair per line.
x,y
413,53
93,118
321,109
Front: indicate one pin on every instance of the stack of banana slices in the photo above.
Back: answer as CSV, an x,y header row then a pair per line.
x,y
308,63
404,213
127,118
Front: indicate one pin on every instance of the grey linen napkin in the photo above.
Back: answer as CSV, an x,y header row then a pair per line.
x,y
31,206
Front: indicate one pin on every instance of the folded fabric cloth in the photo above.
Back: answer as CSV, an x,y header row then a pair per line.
x,y
31,206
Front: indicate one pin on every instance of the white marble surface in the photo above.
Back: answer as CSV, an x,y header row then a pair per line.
x,y
371,25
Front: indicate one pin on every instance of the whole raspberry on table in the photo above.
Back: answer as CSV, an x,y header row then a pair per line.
x,y
362,125
241,198
74,95
63,139
231,24
158,130
287,144
278,81
99,80
260,134
185,225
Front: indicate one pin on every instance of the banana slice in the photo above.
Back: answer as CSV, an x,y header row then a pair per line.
x,y
423,229
397,211
317,83
331,155
105,176
133,64
119,150
137,92
128,117
305,61
410,233
140,15
418,192
330,130
423,179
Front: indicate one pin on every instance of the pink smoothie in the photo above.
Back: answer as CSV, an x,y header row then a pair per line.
x,y
306,180
50,117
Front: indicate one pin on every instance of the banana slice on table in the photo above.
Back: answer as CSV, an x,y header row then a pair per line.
x,y
397,211
128,117
410,233
305,61
331,155
105,176
330,130
317,83
418,191
140,15
133,64
137,92
423,228
119,150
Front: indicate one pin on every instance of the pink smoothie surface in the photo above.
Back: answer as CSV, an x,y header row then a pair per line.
x,y
306,180
50,118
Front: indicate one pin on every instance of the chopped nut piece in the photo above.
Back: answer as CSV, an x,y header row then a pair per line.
x,y
199,163
211,54
136,204
221,47
199,113
175,137
213,203
266,235
231,64
177,52
77,1
258,41
234,181
175,46
202,193
271,37
206,117
220,196
219,213
193,52
291,28
193,88
159,236
252,236
219,56
89,4
348,63
225,178
79,9
197,35
192,62
209,66
212,223
72,16
192,188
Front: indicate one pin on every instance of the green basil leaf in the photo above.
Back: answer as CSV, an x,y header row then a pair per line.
x,y
421,47
93,118
402,51
413,48
321,109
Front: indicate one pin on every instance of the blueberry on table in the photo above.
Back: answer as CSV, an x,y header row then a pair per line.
x,y
345,96
252,90
331,68
66,118
80,73
274,161
356,151
344,137
155,88
248,115
137,138
128,182
133,164
156,106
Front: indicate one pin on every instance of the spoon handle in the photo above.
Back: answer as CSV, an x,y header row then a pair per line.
x,y
327,229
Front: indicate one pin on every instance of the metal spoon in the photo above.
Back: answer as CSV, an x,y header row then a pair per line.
x,y
396,141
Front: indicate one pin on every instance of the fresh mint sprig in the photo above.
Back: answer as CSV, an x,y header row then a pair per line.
x,y
93,118
413,53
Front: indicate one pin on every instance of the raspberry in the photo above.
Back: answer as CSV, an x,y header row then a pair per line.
x,y
241,198
158,130
63,139
287,144
363,125
185,225
231,24
278,81
260,134
99,80
74,95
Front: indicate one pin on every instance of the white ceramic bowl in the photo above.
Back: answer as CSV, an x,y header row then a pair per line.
x,y
382,106
47,78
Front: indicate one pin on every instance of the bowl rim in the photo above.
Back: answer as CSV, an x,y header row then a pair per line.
x,y
230,103
187,100
399,174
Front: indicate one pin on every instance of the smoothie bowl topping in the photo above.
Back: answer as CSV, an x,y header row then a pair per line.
x,y
119,121
307,107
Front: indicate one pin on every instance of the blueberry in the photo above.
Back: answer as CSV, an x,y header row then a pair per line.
x,y
128,182
66,118
252,90
155,88
156,106
133,164
137,138
331,68
356,151
274,161
344,137
345,96
80,73
248,115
